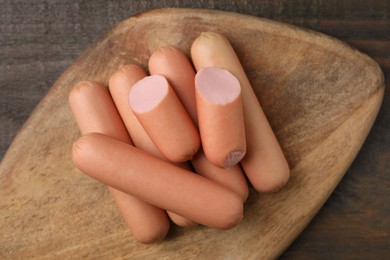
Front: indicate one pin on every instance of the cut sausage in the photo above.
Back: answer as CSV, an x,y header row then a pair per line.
x,y
264,162
163,117
180,191
94,111
220,116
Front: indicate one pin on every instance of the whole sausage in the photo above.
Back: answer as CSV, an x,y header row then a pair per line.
x,y
94,111
120,84
173,64
264,162
133,171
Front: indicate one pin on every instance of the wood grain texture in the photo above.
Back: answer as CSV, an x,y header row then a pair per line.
x,y
39,39
320,96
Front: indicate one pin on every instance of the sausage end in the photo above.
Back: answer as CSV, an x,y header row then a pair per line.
x,y
273,183
151,237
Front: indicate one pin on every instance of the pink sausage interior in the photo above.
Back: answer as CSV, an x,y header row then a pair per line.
x,y
217,85
147,93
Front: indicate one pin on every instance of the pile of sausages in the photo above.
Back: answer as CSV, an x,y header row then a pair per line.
x,y
178,144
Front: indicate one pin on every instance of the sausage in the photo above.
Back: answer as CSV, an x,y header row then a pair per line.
x,y
133,171
220,115
232,178
164,118
94,111
120,84
172,63
264,162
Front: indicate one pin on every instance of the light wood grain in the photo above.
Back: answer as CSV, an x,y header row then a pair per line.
x,y
320,96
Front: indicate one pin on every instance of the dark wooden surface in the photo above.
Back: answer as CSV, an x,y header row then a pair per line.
x,y
40,39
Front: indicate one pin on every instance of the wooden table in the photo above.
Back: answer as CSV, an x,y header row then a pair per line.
x,y
40,39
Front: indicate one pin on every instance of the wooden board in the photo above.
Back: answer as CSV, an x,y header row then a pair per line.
x,y
320,96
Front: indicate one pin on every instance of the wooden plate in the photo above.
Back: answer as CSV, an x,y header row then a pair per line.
x,y
320,96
